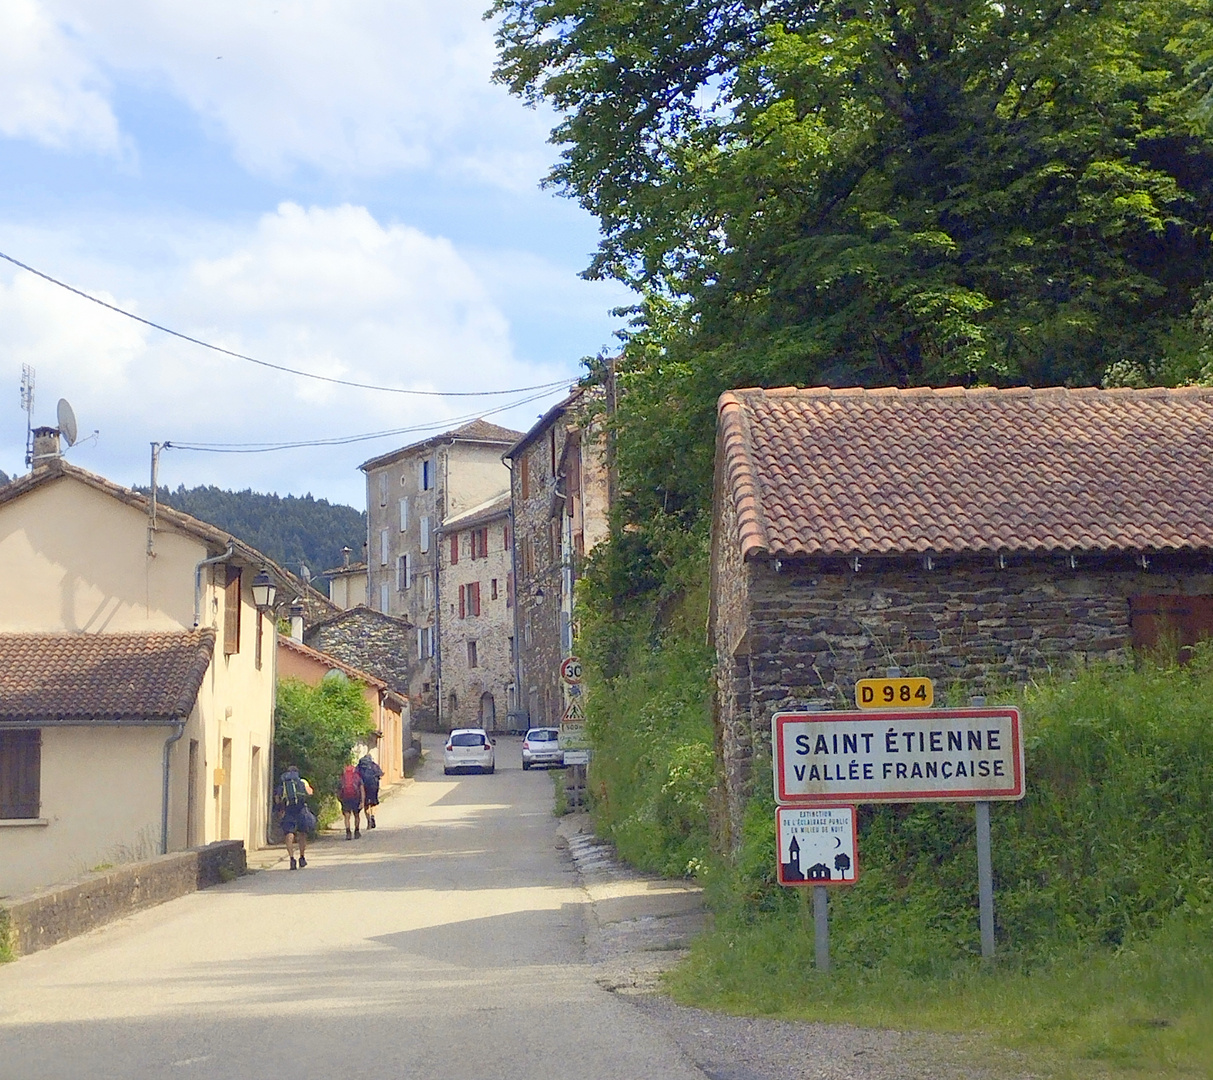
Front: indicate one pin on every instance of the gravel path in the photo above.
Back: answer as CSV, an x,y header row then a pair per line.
x,y
641,927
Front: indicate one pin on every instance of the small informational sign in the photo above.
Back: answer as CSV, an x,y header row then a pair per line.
x,y
573,737
894,693
570,670
817,845
898,756
576,757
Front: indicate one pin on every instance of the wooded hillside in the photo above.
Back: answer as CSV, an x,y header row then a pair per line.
x,y
291,530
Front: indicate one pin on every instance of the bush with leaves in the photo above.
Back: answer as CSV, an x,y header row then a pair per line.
x,y
316,728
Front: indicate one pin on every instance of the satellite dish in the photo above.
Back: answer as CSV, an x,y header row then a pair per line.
x,y
67,422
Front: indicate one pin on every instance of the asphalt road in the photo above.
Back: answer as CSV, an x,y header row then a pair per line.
x,y
448,943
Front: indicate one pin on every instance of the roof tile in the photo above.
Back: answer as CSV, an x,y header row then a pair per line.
x,y
888,471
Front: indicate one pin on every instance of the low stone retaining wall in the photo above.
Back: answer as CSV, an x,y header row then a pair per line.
x,y
45,918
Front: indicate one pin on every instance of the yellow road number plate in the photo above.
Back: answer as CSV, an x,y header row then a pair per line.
x,y
894,693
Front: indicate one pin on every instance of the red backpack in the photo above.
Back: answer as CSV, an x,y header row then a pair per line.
x,y
351,782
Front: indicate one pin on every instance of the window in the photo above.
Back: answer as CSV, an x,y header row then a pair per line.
x,y
506,539
404,513
383,489
427,474
471,654
231,611
420,642
493,589
383,596
383,547
425,643
509,589
425,534
480,543
427,589
454,549
20,774
469,600
403,577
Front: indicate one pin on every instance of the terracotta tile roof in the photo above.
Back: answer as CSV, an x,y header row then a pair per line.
x,y
297,647
98,678
853,472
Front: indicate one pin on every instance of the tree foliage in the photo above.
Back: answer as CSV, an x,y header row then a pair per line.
x,y
916,192
317,727
291,530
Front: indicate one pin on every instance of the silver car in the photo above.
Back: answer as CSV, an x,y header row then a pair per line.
x,y
540,747
468,748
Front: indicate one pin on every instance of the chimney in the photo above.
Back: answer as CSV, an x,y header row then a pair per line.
x,y
297,622
345,556
46,447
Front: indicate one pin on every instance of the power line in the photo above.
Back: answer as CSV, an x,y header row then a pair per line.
x,y
343,440
279,367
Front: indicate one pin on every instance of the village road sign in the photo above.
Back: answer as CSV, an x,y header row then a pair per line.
x,y
973,754
817,845
894,693
570,669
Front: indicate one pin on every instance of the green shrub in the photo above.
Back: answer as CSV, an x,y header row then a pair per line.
x,y
316,728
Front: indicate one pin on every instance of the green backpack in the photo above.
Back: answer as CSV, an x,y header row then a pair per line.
x,y
293,792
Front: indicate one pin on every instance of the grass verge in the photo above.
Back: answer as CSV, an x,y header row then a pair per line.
x,y
1141,1010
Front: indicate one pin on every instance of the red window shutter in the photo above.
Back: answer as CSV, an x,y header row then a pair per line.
x,y
463,601
231,612
454,548
474,597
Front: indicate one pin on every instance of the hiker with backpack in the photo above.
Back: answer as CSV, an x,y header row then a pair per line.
x,y
350,792
370,772
297,817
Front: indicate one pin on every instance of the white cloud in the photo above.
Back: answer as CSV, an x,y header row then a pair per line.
x,y
356,90
51,93
328,290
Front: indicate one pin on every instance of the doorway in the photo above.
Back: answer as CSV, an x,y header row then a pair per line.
x,y
488,712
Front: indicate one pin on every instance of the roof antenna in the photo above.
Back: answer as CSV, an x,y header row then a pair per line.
x,y
27,403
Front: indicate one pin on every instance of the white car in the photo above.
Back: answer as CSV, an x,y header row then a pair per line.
x,y
541,746
468,748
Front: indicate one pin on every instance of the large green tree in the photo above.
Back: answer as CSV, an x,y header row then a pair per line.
x,y
852,192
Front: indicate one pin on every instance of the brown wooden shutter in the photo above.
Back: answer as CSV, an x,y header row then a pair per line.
x,y
505,537
474,597
463,601
231,612
454,548
20,774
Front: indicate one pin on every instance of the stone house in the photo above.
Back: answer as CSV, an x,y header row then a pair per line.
x,y
411,492
560,491
476,635
137,678
389,711
371,641
977,537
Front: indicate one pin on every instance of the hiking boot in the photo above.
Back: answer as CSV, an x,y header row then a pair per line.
x,y
348,835
370,822
302,862
294,865
357,832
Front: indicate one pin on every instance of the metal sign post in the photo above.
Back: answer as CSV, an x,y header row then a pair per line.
x,y
985,881
821,927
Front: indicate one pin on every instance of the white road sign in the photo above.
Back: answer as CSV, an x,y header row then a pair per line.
x,y
936,755
570,669
818,845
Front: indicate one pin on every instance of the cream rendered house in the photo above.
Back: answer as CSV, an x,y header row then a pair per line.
x,y
136,704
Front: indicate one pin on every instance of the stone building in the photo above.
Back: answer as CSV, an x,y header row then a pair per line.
x,y
476,630
561,498
411,492
370,640
973,536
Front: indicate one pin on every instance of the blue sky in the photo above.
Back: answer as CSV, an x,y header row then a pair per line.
x,y
331,186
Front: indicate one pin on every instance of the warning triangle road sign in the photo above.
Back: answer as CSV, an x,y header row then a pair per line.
x,y
573,713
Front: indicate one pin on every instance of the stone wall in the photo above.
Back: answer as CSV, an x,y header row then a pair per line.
x,y
374,643
45,918
813,629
